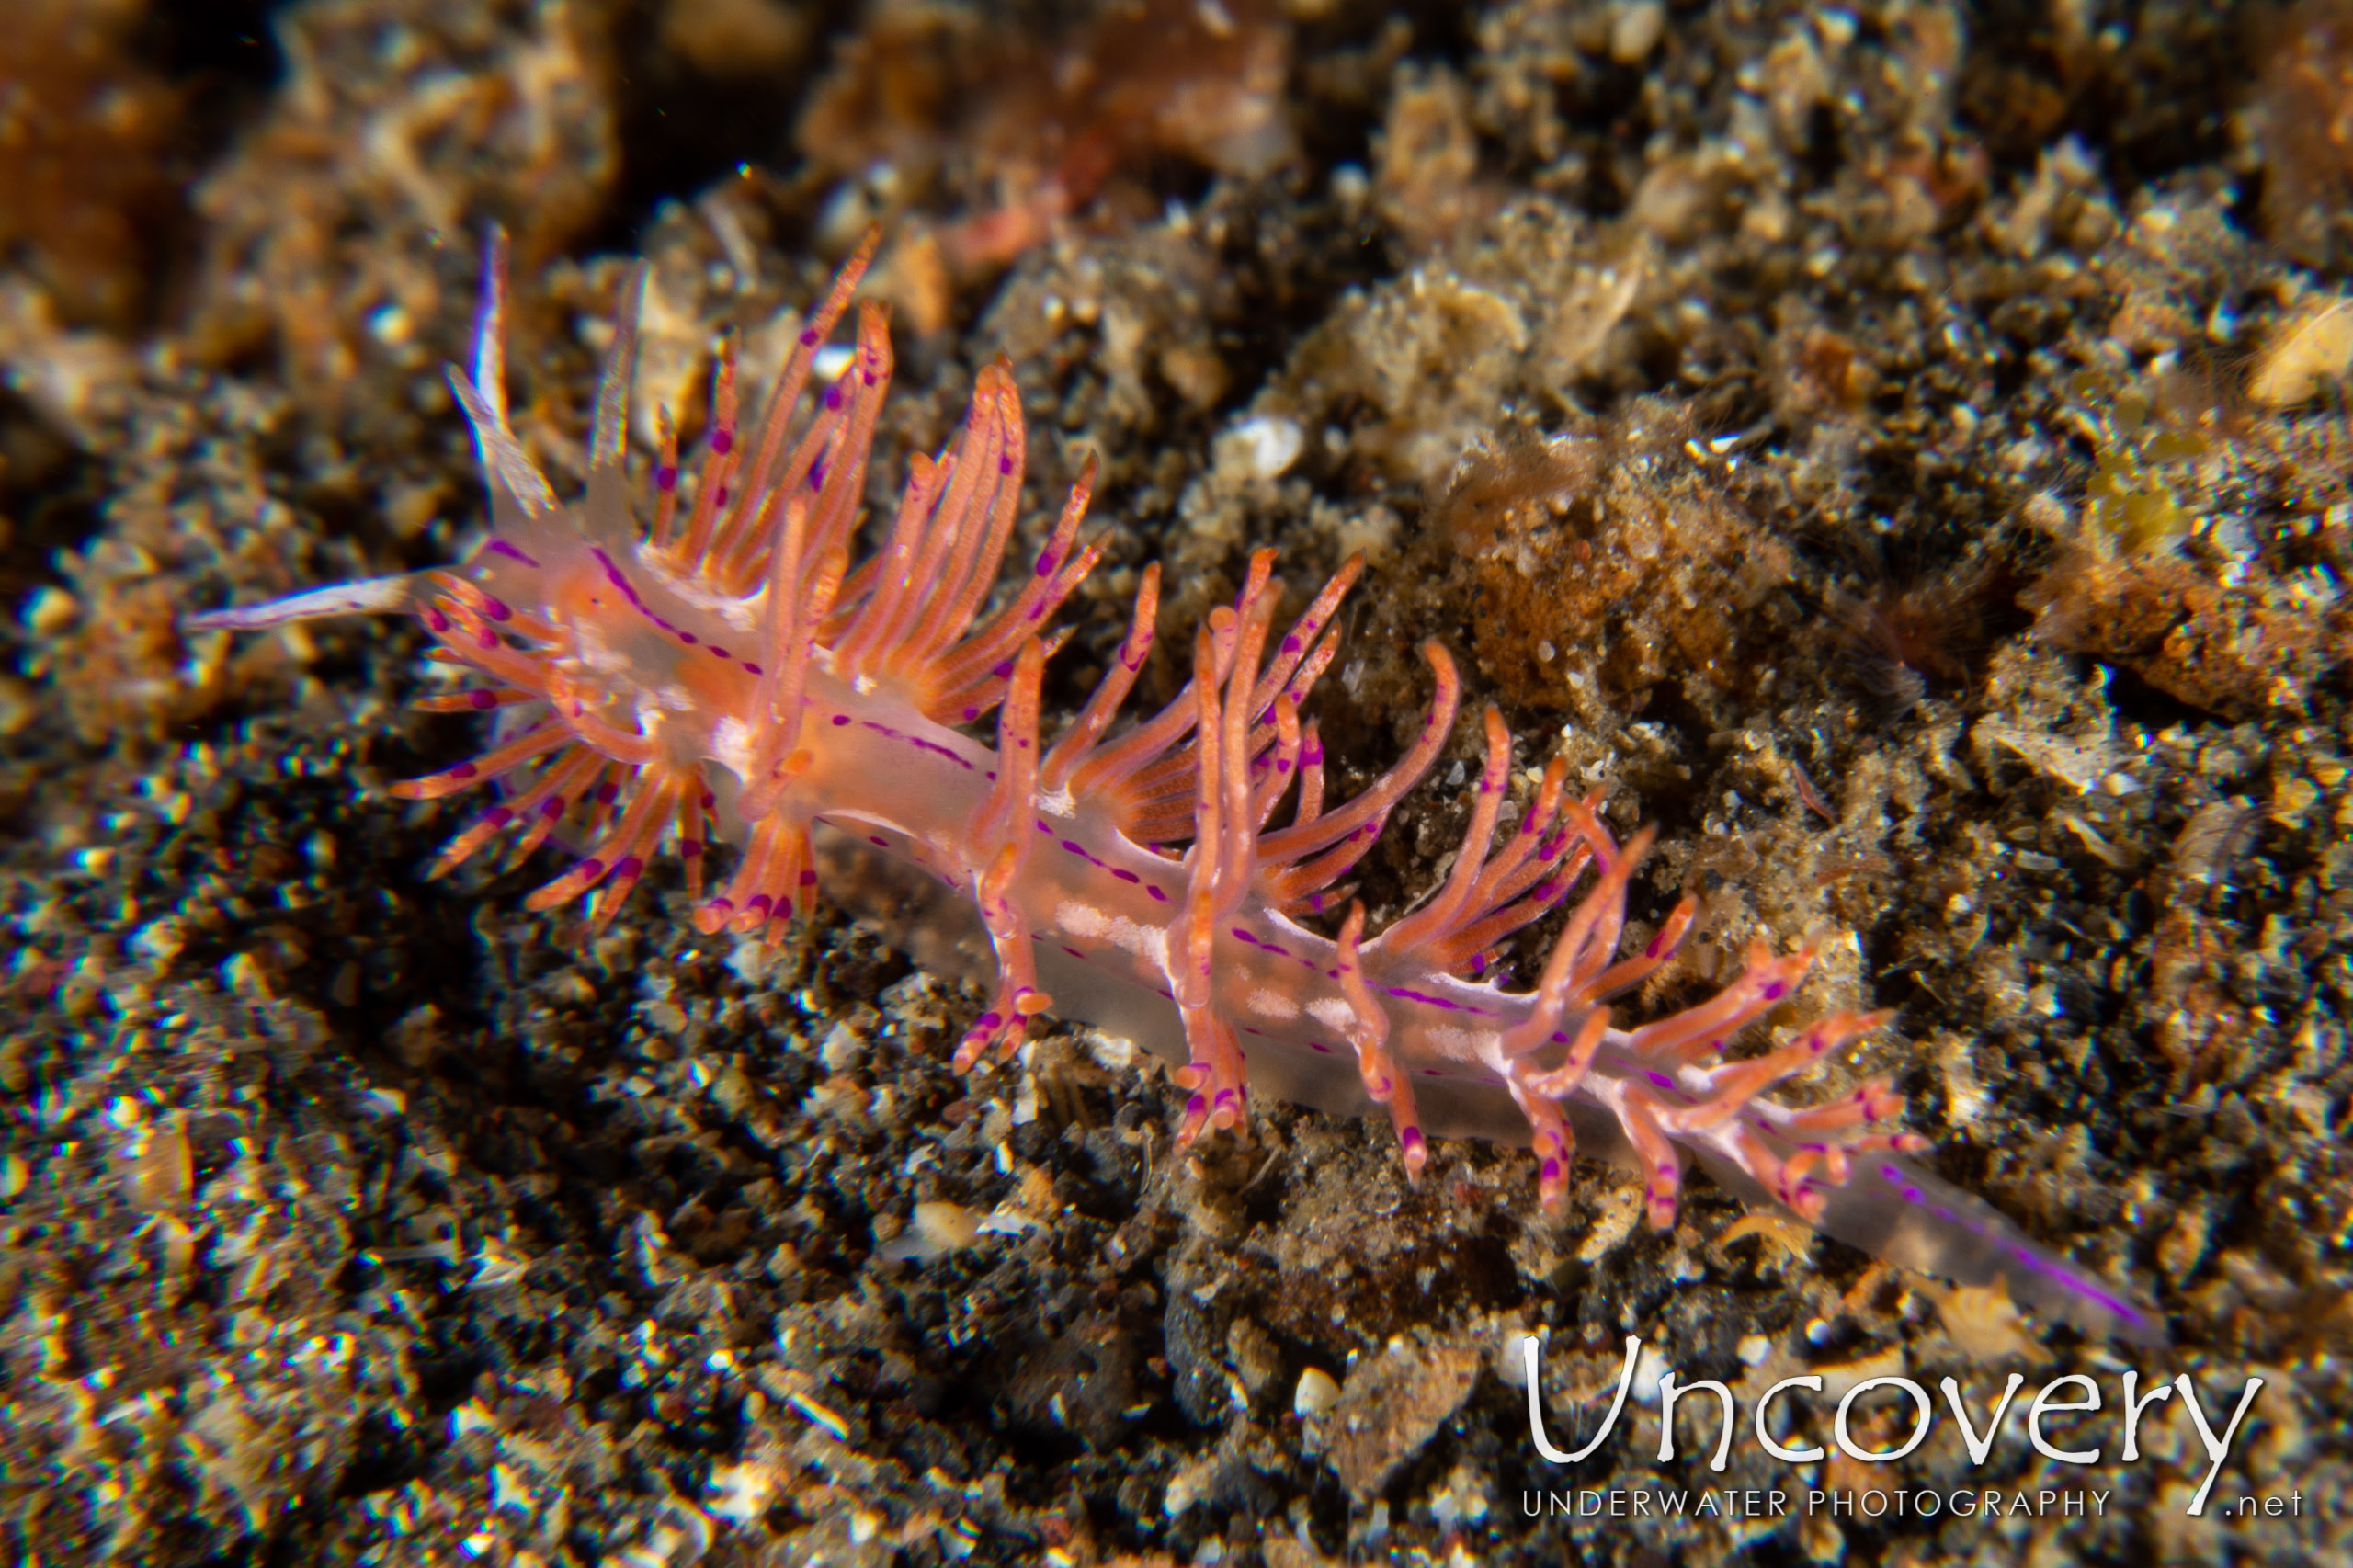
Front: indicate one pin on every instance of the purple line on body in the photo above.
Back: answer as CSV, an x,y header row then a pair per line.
x,y
920,744
1423,997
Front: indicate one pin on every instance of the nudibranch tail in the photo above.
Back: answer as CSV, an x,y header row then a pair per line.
x,y
726,672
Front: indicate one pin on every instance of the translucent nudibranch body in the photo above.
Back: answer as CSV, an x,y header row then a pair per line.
x,y
724,673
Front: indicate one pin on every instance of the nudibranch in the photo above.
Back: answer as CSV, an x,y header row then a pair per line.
x,y
724,673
